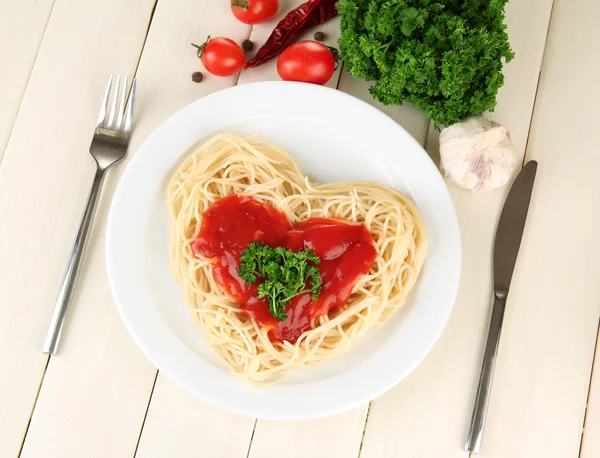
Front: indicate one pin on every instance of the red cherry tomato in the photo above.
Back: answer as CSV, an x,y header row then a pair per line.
x,y
254,11
221,56
306,61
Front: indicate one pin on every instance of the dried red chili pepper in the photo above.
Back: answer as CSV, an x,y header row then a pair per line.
x,y
309,14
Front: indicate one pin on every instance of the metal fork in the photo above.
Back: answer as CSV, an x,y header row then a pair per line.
x,y
108,147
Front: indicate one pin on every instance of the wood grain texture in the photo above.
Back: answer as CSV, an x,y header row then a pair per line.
x,y
427,414
545,358
22,26
44,179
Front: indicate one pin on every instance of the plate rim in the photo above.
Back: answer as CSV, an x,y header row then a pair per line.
x,y
159,363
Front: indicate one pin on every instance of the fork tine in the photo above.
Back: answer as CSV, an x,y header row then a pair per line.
x,y
119,123
104,106
130,109
113,110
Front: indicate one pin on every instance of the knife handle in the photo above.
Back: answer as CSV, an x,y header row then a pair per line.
x,y
485,378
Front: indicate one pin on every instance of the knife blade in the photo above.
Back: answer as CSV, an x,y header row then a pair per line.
x,y
506,248
511,226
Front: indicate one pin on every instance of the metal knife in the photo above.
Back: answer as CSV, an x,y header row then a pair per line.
x,y
506,247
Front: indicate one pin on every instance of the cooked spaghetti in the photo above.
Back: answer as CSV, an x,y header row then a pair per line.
x,y
229,165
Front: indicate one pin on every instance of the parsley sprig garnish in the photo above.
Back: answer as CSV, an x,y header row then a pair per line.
x,y
285,274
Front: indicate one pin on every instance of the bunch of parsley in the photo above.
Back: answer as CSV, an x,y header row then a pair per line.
x,y
444,57
285,274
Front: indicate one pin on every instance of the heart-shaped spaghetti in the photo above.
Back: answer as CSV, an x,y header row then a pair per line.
x,y
230,165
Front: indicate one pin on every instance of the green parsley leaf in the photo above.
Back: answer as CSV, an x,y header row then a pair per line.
x,y
444,57
285,274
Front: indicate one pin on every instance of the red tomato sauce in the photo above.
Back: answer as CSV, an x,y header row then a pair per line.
x,y
347,251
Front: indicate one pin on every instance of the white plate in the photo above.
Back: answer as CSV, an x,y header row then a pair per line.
x,y
334,137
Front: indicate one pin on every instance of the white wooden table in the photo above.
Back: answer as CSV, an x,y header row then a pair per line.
x,y
101,398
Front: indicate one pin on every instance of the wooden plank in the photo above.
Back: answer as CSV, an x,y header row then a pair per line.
x,y
590,445
44,179
106,417
338,436
543,368
22,26
427,414
406,115
179,425
169,405
332,437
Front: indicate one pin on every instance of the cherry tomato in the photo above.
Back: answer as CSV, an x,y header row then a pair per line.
x,y
221,56
306,61
254,11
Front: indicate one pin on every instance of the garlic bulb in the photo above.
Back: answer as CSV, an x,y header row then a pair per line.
x,y
477,154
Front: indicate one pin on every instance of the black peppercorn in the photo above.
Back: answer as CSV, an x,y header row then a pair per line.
x,y
247,45
197,77
319,36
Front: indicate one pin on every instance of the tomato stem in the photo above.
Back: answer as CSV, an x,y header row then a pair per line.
x,y
240,4
336,55
200,48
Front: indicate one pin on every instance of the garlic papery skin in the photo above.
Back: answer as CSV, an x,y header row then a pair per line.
x,y
477,154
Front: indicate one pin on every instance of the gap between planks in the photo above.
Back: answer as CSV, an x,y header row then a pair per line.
x,y
37,395
20,103
587,401
137,444
537,86
251,438
364,431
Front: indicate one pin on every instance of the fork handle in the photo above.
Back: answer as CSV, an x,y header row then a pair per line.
x,y
67,285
